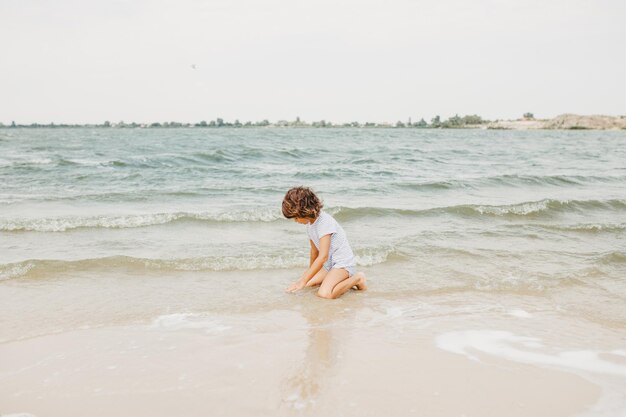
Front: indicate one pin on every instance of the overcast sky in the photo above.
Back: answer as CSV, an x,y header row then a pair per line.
x,y
80,61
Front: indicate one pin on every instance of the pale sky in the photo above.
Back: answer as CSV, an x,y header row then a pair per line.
x,y
81,61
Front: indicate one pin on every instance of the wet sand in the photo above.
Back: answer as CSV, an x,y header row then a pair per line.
x,y
301,362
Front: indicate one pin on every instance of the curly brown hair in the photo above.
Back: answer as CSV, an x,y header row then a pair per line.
x,y
301,202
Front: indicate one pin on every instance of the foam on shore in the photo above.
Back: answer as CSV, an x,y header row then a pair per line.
x,y
528,350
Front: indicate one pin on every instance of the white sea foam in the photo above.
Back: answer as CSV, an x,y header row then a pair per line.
x,y
18,415
15,270
25,161
257,215
231,263
87,162
518,209
61,224
519,313
38,161
372,256
597,226
525,350
182,321
394,312
510,281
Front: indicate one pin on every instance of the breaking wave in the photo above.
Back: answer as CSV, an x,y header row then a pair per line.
x,y
539,208
532,209
61,224
285,260
508,181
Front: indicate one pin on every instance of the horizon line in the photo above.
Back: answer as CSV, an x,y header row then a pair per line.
x,y
474,119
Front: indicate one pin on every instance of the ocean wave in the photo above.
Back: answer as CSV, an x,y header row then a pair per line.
x,y
156,161
285,260
368,256
510,180
293,153
548,206
613,258
586,227
143,195
37,267
21,163
533,209
62,224
16,270
530,209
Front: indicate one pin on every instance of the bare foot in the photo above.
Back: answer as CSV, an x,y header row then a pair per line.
x,y
360,284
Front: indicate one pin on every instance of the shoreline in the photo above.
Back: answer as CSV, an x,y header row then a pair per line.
x,y
365,354
231,366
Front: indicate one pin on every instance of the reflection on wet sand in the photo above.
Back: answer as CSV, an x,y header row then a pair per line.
x,y
328,327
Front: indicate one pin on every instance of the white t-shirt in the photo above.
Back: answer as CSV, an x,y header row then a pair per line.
x,y
340,254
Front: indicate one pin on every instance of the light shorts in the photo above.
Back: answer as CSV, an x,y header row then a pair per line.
x,y
351,269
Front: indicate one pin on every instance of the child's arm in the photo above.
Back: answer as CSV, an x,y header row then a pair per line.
x,y
316,264
314,253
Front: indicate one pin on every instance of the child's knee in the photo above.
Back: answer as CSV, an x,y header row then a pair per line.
x,y
325,293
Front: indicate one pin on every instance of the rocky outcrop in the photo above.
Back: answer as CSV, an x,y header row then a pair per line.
x,y
564,121
574,121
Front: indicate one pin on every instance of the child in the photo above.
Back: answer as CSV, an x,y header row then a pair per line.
x,y
332,263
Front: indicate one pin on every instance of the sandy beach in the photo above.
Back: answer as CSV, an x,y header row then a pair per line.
x,y
293,365
437,355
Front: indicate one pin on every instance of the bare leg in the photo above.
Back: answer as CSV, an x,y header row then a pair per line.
x,y
317,278
337,283
360,284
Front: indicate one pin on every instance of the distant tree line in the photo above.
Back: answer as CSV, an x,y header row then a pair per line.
x,y
435,123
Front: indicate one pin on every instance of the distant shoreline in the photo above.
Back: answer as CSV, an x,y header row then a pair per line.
x,y
528,122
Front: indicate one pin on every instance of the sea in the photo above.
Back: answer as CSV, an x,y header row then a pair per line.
x,y
500,236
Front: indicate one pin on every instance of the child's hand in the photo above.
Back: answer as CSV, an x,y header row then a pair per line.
x,y
295,286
